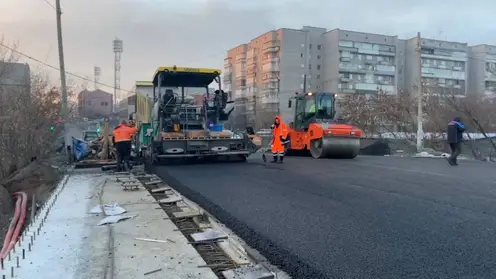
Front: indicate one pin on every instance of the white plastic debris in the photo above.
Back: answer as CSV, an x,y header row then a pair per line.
x,y
110,209
114,219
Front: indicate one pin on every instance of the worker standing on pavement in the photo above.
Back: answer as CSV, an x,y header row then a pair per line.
x,y
123,134
455,136
279,139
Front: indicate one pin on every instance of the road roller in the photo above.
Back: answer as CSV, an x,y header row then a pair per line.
x,y
315,130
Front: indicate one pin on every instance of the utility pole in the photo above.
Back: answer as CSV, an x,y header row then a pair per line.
x,y
420,132
63,86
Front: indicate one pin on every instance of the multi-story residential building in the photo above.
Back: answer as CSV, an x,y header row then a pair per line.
x,y
482,70
357,62
264,73
235,81
443,66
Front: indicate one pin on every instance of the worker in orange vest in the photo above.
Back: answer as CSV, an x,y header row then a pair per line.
x,y
122,138
279,139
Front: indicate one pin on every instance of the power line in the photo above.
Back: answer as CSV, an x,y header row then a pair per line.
x,y
132,92
49,4
56,68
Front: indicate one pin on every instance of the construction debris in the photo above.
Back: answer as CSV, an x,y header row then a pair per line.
x,y
114,219
109,209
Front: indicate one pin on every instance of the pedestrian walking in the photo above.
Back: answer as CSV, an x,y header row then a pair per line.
x,y
455,136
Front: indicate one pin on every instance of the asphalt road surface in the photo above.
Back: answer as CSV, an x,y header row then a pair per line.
x,y
372,217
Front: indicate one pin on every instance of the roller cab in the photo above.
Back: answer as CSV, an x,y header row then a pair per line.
x,y
316,130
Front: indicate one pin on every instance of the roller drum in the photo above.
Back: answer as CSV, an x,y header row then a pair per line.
x,y
335,147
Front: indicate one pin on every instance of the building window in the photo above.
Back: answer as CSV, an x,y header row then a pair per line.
x,y
310,46
301,55
318,76
319,47
309,66
318,57
318,67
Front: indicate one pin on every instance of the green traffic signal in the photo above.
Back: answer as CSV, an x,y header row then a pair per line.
x,y
98,130
52,128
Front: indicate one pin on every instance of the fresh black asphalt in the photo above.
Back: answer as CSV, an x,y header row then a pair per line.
x,y
371,217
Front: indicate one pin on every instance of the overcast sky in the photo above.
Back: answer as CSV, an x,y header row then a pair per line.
x,y
199,32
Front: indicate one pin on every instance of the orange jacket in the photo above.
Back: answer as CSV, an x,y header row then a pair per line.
x,y
124,133
280,133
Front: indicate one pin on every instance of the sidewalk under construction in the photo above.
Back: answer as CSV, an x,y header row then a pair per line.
x,y
97,225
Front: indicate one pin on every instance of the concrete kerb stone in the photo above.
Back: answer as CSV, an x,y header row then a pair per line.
x,y
26,242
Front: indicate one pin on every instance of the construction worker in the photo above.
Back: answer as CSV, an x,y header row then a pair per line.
x,y
279,139
455,136
123,134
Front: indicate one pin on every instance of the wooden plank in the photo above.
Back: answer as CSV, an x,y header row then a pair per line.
x,y
171,199
155,182
161,189
186,214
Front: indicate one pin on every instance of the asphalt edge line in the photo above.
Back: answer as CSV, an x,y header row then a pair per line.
x,y
278,256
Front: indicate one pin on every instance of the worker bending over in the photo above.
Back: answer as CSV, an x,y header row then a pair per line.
x,y
279,139
123,134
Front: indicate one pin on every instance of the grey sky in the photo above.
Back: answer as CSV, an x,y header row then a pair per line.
x,y
198,32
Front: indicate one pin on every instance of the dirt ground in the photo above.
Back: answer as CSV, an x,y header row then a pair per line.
x,y
38,178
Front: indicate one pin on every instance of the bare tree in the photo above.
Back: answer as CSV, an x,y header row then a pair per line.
x,y
27,111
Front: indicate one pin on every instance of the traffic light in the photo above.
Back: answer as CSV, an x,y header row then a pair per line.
x,y
52,127
98,130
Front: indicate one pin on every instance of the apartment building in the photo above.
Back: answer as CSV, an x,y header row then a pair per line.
x,y
357,62
443,66
482,70
267,71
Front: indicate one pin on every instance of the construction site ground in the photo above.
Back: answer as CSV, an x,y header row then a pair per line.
x,y
370,217
66,240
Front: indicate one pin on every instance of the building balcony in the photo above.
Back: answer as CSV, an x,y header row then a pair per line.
x,y
490,76
272,43
459,58
227,62
269,99
273,67
443,73
227,77
386,70
271,49
240,58
366,88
